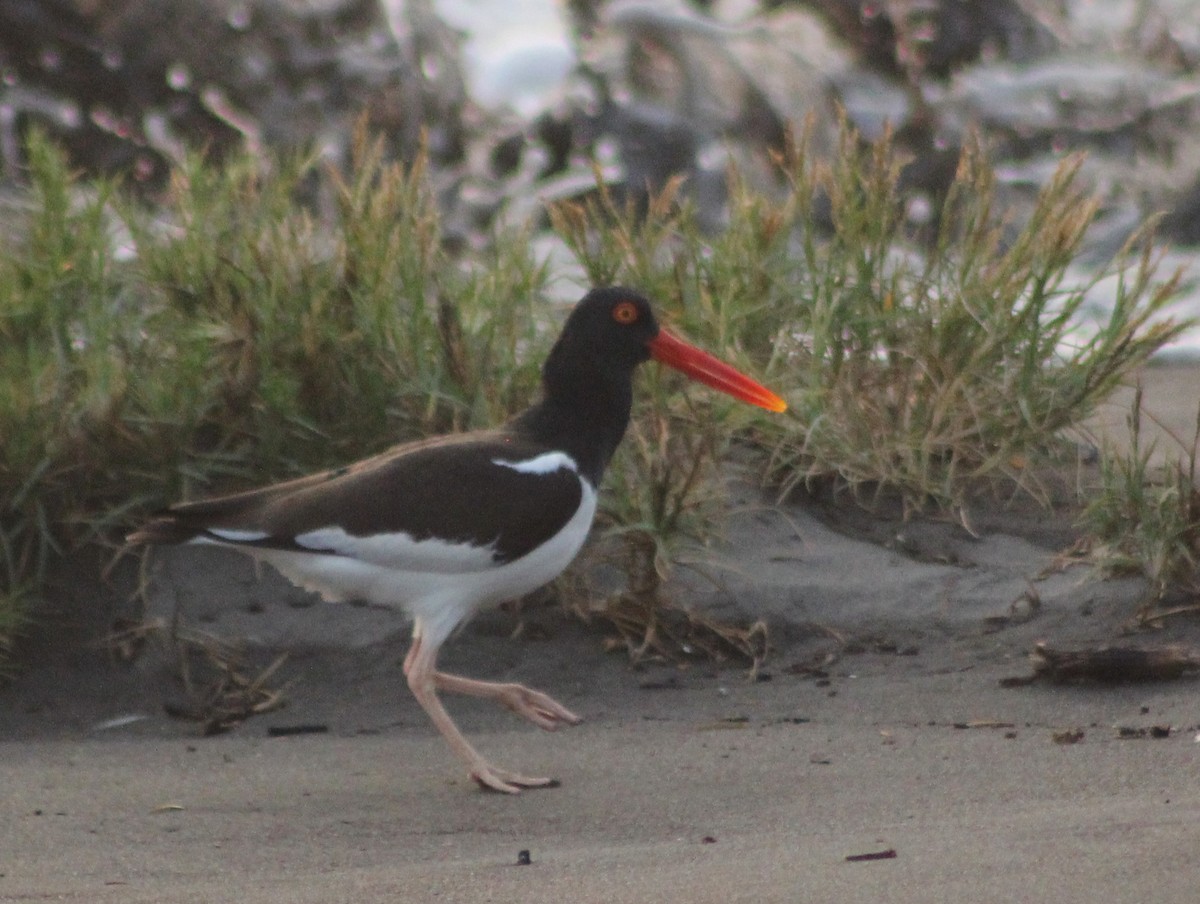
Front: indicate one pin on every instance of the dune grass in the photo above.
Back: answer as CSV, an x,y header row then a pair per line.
x,y
929,374
261,321
923,369
269,317
1146,520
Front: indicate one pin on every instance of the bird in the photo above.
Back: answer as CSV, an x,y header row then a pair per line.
x,y
445,526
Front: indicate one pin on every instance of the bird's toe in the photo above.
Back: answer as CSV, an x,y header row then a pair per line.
x,y
540,709
491,778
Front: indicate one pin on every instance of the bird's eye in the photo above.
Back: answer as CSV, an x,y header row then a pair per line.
x,y
625,313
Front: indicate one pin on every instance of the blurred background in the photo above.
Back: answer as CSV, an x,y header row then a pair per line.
x,y
523,102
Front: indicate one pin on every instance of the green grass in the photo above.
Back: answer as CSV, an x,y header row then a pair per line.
x,y
924,370
1146,520
930,373
267,317
248,326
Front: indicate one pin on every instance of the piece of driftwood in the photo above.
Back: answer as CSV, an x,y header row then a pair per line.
x,y
1107,665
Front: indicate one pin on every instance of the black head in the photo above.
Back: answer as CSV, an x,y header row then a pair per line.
x,y
588,377
612,331
611,328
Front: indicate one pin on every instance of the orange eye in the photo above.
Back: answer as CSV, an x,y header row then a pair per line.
x,y
625,313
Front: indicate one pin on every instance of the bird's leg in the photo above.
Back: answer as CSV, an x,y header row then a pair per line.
x,y
540,709
423,681
412,650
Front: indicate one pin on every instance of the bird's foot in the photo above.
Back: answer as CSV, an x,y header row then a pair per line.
x,y
540,709
491,778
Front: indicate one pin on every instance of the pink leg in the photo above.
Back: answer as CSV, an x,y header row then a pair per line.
x,y
424,681
540,709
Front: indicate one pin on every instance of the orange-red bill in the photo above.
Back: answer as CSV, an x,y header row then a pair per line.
x,y
704,368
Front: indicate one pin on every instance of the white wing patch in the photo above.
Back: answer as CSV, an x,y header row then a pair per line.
x,y
234,535
546,463
400,551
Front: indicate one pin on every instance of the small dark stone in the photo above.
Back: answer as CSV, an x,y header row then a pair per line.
x,y
280,731
523,858
889,854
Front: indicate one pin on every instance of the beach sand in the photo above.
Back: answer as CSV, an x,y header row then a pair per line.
x,y
882,729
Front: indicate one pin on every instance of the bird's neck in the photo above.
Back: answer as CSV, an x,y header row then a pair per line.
x,y
584,418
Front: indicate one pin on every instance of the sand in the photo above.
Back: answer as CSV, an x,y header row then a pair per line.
x,y
683,784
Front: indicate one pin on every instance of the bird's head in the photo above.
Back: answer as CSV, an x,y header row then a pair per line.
x,y
617,328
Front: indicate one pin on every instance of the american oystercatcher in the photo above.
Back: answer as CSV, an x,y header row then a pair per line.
x,y
443,527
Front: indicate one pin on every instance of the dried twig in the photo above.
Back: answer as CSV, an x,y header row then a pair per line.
x,y
1107,665
217,689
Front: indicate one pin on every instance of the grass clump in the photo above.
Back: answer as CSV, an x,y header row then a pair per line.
x,y
55,396
264,320
1143,520
931,373
921,367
